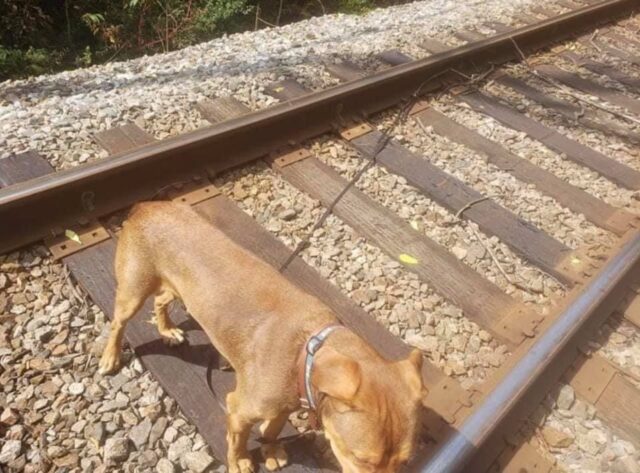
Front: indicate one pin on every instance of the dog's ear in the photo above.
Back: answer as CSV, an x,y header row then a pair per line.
x,y
336,375
412,372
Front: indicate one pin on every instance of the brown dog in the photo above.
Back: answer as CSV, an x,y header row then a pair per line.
x,y
261,323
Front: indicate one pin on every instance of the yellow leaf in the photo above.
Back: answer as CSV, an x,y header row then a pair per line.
x,y
73,236
407,259
414,225
278,89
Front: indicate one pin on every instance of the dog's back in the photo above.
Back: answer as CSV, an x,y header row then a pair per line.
x,y
168,248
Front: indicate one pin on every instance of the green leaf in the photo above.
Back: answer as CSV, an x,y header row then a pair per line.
x,y
73,236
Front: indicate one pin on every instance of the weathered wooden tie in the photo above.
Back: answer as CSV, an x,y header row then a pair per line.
x,y
286,90
603,69
468,36
572,113
609,390
345,70
595,210
543,11
630,307
433,46
573,150
625,48
577,152
569,4
589,87
394,57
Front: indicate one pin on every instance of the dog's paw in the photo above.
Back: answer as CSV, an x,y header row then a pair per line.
x,y
275,456
172,336
243,465
109,362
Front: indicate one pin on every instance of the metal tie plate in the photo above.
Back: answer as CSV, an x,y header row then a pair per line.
x,y
91,234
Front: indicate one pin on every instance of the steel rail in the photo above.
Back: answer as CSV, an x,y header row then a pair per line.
x,y
545,361
33,209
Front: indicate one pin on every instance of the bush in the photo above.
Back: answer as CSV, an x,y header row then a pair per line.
x,y
32,61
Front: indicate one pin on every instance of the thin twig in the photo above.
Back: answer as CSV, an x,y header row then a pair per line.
x,y
497,263
593,43
474,79
279,12
266,22
255,26
470,204
458,214
520,53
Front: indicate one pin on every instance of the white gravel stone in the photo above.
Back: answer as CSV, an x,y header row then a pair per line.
x,y
10,451
566,397
8,416
179,448
626,464
140,433
165,466
76,389
116,450
197,462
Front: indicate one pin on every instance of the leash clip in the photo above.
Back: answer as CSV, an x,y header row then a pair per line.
x,y
314,344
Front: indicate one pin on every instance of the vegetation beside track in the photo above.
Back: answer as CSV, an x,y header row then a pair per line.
x,y
42,36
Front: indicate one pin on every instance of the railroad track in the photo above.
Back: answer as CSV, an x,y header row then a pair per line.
x,y
465,427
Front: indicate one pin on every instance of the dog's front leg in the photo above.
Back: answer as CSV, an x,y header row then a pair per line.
x,y
238,429
274,454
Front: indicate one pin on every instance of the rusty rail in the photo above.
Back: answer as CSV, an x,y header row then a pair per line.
x,y
39,207
524,385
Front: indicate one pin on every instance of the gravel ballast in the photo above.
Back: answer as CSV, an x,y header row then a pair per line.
x,y
56,411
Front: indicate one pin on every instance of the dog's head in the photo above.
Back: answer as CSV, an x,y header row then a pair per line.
x,y
369,409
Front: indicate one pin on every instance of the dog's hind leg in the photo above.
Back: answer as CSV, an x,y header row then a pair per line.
x,y
128,301
274,454
170,334
136,280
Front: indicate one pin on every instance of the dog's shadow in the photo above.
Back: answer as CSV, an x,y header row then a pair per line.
x,y
197,350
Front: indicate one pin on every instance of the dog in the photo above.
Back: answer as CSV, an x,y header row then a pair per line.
x,y
286,347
